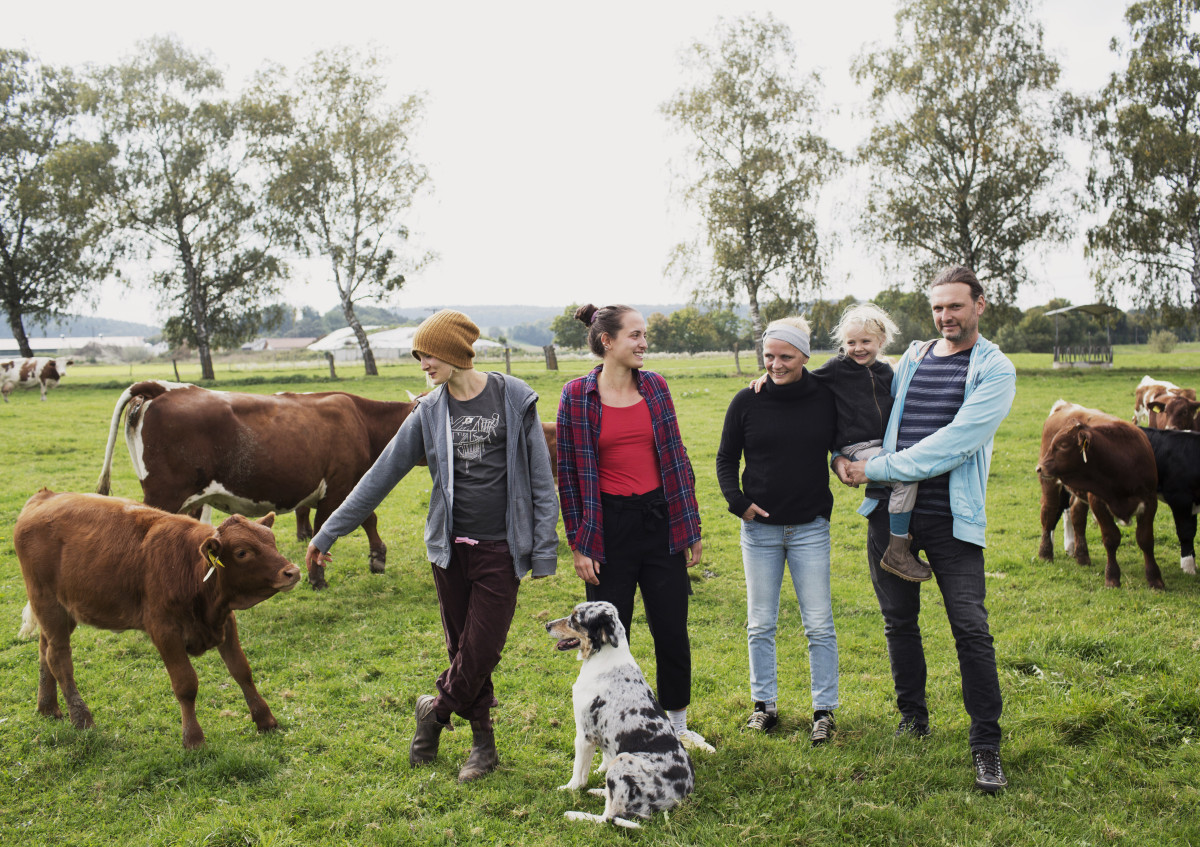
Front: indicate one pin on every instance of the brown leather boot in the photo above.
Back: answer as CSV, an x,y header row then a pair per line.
x,y
424,748
899,560
483,752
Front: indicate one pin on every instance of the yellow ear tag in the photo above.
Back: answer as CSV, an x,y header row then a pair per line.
x,y
214,563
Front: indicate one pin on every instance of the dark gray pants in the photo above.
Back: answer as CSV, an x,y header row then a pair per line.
x,y
958,568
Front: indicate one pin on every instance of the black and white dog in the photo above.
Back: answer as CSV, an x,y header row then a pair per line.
x,y
645,766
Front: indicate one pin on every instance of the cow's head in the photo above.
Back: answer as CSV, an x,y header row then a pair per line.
x,y
248,565
1068,451
1173,411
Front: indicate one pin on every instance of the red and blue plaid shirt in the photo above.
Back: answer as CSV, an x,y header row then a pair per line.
x,y
579,412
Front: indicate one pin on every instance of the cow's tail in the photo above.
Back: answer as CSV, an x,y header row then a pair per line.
x,y
104,485
29,623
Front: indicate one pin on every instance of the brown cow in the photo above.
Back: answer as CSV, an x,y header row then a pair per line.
x,y
42,372
550,431
1163,405
117,564
250,454
1109,461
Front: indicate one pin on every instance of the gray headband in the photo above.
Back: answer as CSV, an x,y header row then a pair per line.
x,y
794,336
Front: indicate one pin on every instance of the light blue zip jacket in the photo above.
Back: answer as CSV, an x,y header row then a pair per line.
x,y
963,447
532,515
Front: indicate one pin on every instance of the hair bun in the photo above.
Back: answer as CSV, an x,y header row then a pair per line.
x,y
586,314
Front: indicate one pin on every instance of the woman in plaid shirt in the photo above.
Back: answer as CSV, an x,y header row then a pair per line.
x,y
628,497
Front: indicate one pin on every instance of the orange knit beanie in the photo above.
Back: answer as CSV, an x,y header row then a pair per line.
x,y
447,335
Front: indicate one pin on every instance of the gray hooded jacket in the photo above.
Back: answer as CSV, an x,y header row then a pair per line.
x,y
425,434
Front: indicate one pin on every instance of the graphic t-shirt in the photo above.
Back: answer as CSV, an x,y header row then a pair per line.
x,y
480,463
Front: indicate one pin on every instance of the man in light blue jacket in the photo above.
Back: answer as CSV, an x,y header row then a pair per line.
x,y
951,395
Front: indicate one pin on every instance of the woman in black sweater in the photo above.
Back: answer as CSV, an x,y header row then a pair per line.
x,y
785,434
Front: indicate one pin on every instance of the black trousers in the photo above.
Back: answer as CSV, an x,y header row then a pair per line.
x,y
637,552
958,568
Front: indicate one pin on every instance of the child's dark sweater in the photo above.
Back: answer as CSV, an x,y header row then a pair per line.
x,y
863,394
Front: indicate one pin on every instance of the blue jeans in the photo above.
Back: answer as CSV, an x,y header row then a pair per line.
x,y
805,548
958,568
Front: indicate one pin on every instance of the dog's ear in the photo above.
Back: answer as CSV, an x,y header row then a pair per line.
x,y
601,623
607,626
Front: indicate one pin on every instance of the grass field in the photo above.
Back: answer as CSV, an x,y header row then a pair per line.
x,y
1101,686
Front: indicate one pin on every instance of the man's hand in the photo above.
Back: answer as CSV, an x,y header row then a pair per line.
x,y
857,473
840,466
694,552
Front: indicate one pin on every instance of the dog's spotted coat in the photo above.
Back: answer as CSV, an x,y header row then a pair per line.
x,y
646,767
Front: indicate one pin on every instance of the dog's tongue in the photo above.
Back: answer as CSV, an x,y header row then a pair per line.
x,y
568,644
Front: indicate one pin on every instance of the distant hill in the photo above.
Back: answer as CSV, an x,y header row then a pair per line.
x,y
81,325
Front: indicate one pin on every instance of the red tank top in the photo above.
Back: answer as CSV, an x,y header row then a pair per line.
x,y
626,457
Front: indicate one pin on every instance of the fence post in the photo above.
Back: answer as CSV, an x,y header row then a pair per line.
x,y
507,361
332,372
551,359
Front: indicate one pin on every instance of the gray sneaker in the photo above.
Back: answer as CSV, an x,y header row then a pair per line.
x,y
761,720
823,728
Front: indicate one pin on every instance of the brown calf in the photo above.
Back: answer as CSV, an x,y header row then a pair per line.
x,y
118,564
1108,461
1163,405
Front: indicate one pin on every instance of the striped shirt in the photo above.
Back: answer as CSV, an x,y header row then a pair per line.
x,y
934,397
579,413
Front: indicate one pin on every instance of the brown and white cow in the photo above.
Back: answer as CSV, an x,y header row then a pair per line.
x,y
1108,461
40,372
250,454
118,564
1164,405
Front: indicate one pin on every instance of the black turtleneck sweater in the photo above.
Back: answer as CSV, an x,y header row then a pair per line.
x,y
785,433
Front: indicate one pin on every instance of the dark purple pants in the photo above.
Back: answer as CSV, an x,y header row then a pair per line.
x,y
477,594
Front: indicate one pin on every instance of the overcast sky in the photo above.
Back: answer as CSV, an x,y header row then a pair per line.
x,y
549,159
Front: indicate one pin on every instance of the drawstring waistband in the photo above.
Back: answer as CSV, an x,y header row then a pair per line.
x,y
652,504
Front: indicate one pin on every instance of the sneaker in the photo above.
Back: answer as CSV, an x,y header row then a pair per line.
x,y
912,727
760,719
693,740
823,728
989,776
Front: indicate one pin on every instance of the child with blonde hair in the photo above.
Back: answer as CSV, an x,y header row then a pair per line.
x,y
861,384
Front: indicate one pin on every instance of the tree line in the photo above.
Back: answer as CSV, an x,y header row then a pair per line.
x,y
963,162
152,161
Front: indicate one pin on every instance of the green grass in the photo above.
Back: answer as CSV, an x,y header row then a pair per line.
x,y
1101,686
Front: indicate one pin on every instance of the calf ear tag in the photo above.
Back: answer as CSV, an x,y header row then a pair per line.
x,y
213,564
1083,445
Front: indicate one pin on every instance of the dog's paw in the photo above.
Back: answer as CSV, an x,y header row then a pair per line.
x,y
571,786
599,792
